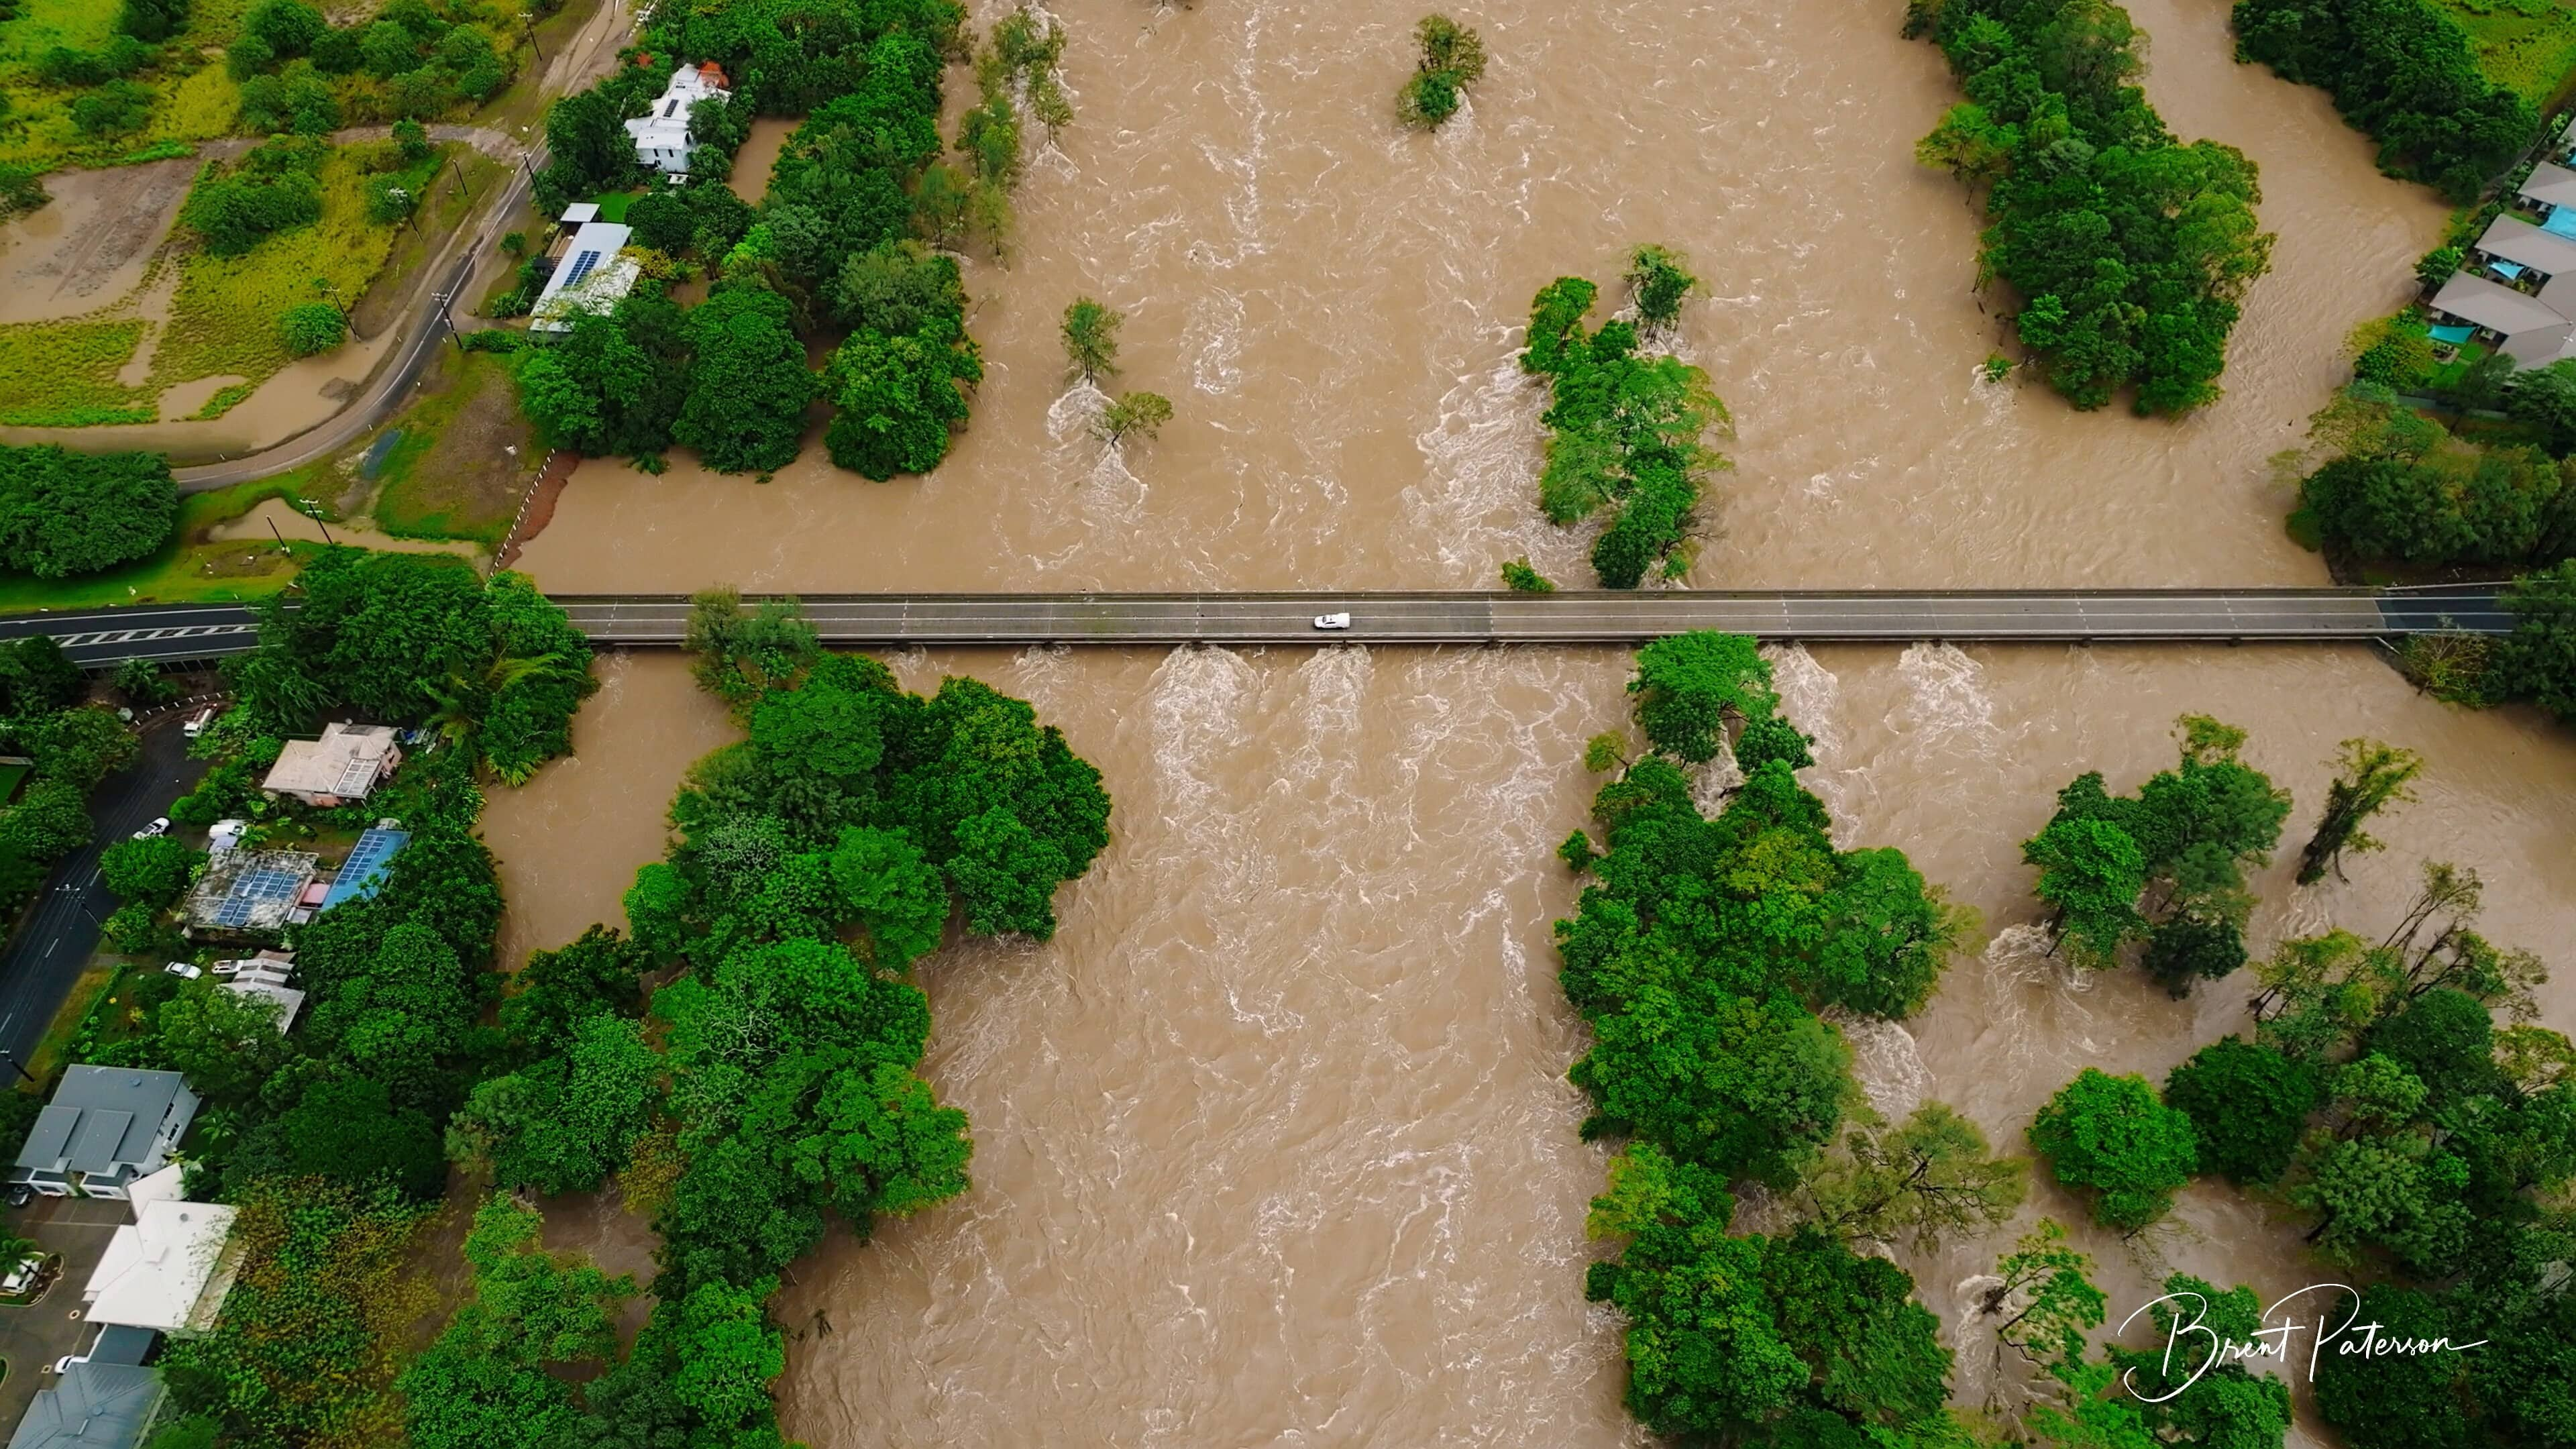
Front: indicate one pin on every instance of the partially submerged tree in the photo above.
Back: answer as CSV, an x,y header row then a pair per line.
x,y
2371,777
1914,1184
2115,1137
1452,59
1091,339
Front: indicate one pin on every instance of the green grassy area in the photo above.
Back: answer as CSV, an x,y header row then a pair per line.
x,y
63,374
612,207
43,24
88,994
188,569
2525,45
449,476
224,317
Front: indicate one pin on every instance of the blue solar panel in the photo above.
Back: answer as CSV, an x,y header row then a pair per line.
x,y
263,885
364,874
581,266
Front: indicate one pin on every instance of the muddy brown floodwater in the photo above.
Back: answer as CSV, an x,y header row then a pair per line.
x,y
1274,1145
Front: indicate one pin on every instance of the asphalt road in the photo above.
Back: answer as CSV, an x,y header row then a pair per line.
x,y
102,637
61,929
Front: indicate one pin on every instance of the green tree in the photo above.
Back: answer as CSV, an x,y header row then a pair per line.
x,y
748,384
1688,688
151,871
2042,1300
2247,1103
1091,339
1744,1087
484,1380
309,328
225,1042
1913,1184
899,399
2112,1135
2091,872
1659,283
289,27
566,1122
2538,660
612,384
64,514
1520,578
2369,778
1452,59
2409,1401
1133,414
143,684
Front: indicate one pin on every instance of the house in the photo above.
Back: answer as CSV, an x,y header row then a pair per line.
x,y
2548,188
248,892
662,134
105,1128
167,1270
95,1405
289,1000
348,762
593,276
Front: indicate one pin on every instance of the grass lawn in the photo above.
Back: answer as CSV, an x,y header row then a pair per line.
x,y
449,476
2525,45
433,226
612,207
63,374
188,569
47,1061
2447,375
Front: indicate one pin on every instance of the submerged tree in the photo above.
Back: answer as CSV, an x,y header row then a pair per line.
x,y
1136,414
1916,1183
2113,1135
2372,777
1659,283
1453,58
1091,339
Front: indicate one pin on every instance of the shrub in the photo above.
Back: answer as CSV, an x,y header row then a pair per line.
x,y
1520,578
389,200
312,328
64,513
289,27
114,108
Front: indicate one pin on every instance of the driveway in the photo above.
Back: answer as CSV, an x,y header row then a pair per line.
x,y
31,1338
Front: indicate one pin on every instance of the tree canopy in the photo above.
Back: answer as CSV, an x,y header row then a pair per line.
x,y
65,513
2130,251
2114,1136
1627,433
2403,72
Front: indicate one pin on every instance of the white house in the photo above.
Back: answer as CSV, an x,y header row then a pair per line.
x,y
662,134
592,275
348,762
166,1270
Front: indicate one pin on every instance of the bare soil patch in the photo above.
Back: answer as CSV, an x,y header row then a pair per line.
x,y
91,245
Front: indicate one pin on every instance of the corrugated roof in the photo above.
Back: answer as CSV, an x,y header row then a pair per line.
x,y
2553,184
2516,240
2495,306
94,1406
94,1146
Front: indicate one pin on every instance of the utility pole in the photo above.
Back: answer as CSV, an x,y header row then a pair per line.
x,y
281,538
461,183
12,1059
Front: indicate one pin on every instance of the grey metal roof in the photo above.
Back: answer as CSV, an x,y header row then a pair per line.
x,y
49,1142
95,1406
2494,305
2551,183
121,1343
100,1117
2516,240
94,1146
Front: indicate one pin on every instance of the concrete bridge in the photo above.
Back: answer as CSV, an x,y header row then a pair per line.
x,y
2028,616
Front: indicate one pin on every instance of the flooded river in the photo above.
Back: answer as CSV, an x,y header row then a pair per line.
x,y
1274,1146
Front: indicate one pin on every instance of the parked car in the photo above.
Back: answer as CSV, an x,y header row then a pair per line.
x,y
182,968
159,826
22,1277
1332,621
197,722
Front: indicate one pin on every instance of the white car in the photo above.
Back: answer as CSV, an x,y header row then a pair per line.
x,y
1332,621
197,722
159,826
182,968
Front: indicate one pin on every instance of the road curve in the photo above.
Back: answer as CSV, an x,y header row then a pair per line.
x,y
102,637
424,330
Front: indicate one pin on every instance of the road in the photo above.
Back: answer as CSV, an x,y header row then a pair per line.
x,y
45,957
175,632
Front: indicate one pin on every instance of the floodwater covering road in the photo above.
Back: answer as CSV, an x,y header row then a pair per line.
x,y
1274,1142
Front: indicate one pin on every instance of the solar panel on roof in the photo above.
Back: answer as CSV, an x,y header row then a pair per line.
x,y
264,885
364,872
581,267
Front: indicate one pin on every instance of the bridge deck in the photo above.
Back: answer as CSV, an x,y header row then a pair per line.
x,y
1434,617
